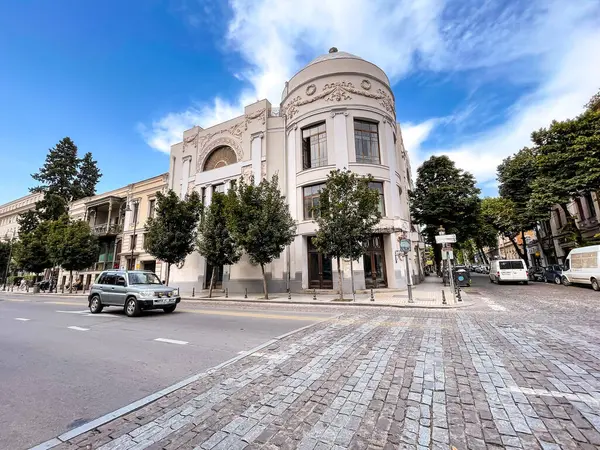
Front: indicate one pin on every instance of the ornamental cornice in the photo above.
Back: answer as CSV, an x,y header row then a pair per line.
x,y
340,91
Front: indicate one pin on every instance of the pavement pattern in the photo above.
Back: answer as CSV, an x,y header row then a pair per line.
x,y
502,374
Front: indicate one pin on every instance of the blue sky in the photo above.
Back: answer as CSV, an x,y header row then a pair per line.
x,y
123,79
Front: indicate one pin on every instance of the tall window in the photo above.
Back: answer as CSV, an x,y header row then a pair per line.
x,y
366,140
219,188
579,208
203,196
136,207
311,200
314,146
590,205
558,218
151,208
378,186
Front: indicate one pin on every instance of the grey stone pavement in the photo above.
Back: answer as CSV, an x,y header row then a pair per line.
x,y
518,370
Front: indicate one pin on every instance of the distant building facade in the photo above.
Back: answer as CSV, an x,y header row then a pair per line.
x,y
337,112
118,218
10,212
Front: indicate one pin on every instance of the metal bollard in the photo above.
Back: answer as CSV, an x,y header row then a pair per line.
x,y
372,296
458,293
314,294
226,292
444,302
289,294
193,292
246,293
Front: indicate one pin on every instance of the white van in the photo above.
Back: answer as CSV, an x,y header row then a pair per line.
x,y
508,270
583,267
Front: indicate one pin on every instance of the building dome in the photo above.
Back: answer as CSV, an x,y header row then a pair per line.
x,y
333,54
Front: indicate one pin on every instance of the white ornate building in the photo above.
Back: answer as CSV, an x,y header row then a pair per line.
x,y
337,112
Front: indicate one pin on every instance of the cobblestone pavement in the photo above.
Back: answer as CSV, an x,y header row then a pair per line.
x,y
519,370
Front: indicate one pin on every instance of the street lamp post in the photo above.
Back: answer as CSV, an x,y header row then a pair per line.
x,y
10,240
135,211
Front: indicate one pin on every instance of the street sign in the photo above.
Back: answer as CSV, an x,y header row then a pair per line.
x,y
445,239
405,245
448,255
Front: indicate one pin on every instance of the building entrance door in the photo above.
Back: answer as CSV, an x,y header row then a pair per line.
x,y
320,274
218,277
374,263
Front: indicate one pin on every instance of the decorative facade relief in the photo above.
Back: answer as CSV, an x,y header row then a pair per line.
x,y
247,173
263,170
338,91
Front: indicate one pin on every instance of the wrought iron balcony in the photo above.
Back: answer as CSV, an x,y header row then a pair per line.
x,y
106,229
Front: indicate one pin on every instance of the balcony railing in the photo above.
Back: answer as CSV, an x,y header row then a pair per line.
x,y
106,229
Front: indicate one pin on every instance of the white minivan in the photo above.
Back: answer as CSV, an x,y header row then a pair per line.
x,y
583,267
508,270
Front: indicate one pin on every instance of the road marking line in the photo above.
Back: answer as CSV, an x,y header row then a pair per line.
x,y
493,305
79,329
257,315
171,341
66,303
22,319
73,312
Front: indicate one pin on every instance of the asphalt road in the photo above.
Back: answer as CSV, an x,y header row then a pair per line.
x,y
61,367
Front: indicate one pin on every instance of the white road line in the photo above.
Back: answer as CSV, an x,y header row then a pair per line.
x,y
171,341
493,305
78,329
74,312
22,319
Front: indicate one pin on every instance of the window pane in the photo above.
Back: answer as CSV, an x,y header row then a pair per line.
x,y
366,139
504,265
314,146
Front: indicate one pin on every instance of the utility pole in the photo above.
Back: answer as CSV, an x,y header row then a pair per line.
x,y
405,248
10,242
446,242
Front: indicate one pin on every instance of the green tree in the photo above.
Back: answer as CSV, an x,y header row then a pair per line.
x,y
215,242
347,214
28,221
447,196
499,213
5,251
72,245
87,178
31,252
64,178
171,233
259,220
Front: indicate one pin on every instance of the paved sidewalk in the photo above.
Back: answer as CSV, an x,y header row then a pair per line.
x,y
432,380
429,294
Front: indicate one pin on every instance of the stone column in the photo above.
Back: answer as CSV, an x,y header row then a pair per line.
x,y
340,136
185,175
110,205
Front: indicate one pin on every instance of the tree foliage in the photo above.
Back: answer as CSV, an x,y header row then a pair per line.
x,y
259,220
64,178
346,216
447,196
215,242
31,252
500,214
71,244
171,233
5,250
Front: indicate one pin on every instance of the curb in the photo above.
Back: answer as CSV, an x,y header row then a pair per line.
x,y
463,304
62,438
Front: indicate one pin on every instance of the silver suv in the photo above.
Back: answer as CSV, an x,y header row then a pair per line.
x,y
133,290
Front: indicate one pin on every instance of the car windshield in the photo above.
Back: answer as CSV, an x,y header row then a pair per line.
x,y
143,278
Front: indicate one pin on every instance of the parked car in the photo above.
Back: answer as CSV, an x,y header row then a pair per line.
x,y
508,270
462,275
582,266
134,291
537,273
553,273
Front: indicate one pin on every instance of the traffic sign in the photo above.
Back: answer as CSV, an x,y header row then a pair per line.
x,y
405,245
448,255
445,239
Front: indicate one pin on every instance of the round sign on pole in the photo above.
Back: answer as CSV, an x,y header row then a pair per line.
x,y
405,245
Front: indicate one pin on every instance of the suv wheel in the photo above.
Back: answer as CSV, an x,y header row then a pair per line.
x,y
595,285
96,305
169,309
132,308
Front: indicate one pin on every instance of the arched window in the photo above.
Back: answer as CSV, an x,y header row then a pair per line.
x,y
220,157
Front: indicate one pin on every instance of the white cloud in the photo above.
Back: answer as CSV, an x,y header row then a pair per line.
x,y
555,38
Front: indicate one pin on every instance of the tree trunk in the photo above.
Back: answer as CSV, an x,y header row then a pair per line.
x,y
70,281
340,285
168,274
212,281
262,269
352,278
516,246
483,256
540,244
525,254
